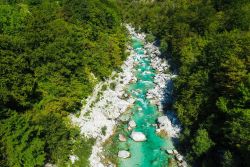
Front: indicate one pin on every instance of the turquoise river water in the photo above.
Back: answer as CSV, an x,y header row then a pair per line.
x,y
150,153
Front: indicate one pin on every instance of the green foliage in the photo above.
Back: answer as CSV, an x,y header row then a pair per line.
x,y
58,145
227,159
52,53
150,38
22,143
12,18
112,85
201,143
82,149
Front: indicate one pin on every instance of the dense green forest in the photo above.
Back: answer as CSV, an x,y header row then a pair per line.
x,y
54,52
209,43
52,55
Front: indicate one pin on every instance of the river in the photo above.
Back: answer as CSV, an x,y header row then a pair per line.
x,y
138,94
152,152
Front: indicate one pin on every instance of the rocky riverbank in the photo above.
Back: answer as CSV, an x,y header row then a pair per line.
x,y
162,92
103,109
100,114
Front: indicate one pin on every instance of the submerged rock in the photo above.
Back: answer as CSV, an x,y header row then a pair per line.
x,y
138,136
132,124
122,138
155,125
123,154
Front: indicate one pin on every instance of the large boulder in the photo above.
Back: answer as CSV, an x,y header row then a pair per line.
x,y
132,124
123,154
122,138
164,121
138,136
165,124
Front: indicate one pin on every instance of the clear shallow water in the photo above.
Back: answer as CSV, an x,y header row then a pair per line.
x,y
149,153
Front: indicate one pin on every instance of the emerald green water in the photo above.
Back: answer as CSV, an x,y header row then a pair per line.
x,y
149,153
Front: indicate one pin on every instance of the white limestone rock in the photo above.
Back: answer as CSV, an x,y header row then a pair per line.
x,y
166,125
163,121
175,152
170,151
184,164
157,130
132,124
179,157
138,136
123,154
73,158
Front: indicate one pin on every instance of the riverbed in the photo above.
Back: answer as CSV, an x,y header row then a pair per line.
x,y
133,101
151,152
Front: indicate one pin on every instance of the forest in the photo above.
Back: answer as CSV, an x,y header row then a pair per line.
x,y
52,55
208,43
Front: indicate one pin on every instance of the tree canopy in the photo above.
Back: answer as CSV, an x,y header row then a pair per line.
x,y
52,55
